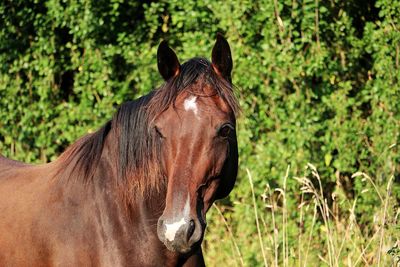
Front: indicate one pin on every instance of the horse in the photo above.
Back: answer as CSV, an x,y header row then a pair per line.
x,y
136,191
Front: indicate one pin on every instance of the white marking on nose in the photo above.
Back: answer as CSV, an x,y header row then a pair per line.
x,y
172,228
190,104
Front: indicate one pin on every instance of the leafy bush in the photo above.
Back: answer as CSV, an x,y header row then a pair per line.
x,y
318,82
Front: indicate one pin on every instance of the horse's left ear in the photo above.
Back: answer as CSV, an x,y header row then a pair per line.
x,y
229,171
167,61
222,58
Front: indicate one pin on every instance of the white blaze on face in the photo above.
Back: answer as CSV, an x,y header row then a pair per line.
x,y
190,104
172,228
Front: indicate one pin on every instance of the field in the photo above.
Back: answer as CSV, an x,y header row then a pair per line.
x,y
318,82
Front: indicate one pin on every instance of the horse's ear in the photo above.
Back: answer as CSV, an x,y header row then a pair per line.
x,y
167,61
229,171
222,58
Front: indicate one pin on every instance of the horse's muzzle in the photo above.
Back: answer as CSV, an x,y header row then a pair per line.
x,y
180,235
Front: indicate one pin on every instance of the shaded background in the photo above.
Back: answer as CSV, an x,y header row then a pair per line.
x,y
318,82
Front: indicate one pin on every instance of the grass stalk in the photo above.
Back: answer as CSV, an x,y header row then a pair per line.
x,y
388,193
232,237
285,222
256,215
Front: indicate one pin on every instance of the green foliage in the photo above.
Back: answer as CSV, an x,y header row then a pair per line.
x,y
318,83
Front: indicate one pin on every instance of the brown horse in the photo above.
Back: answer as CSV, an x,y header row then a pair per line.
x,y
136,192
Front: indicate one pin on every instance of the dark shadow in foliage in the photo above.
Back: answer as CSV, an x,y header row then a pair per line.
x,y
361,11
20,35
66,83
64,76
126,18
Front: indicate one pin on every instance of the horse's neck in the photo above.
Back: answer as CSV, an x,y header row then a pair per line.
x,y
131,225
121,228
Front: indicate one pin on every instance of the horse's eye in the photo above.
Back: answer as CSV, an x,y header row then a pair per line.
x,y
225,130
159,134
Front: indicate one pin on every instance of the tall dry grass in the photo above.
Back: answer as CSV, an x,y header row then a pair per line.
x,y
321,234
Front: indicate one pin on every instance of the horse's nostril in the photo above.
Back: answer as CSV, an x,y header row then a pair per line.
x,y
190,229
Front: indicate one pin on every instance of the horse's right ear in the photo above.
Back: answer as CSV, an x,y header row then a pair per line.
x,y
167,61
222,58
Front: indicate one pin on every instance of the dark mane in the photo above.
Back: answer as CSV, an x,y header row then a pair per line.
x,y
138,146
